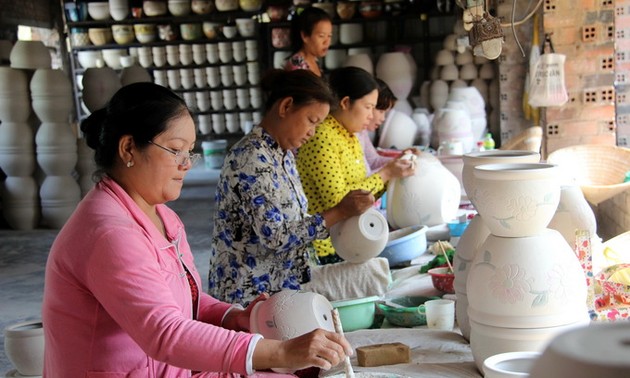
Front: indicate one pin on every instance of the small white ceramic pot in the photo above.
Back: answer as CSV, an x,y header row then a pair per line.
x,y
509,365
360,238
24,346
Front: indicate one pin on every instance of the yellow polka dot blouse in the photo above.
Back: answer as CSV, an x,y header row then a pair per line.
x,y
330,165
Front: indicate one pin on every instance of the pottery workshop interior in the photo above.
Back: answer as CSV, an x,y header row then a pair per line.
x,y
505,252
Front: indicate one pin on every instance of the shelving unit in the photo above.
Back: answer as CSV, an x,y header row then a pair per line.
x,y
420,31
214,16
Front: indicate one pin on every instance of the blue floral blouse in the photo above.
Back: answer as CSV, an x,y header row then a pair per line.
x,y
262,232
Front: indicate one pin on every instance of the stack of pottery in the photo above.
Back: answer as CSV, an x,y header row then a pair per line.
x,y
525,284
51,93
477,232
20,205
398,69
430,197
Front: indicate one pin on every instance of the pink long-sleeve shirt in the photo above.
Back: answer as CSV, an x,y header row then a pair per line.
x,y
117,302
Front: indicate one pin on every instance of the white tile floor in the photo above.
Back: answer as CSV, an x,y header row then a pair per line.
x,y
23,253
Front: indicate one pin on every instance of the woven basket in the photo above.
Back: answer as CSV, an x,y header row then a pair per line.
x,y
598,169
530,140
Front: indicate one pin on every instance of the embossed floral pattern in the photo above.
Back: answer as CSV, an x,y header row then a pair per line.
x,y
510,284
522,208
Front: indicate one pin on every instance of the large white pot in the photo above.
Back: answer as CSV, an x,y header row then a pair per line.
x,y
398,70
474,159
30,55
360,238
56,148
516,200
15,104
398,131
453,124
430,197
24,346
99,85
59,197
526,282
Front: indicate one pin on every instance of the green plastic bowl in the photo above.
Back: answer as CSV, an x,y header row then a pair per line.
x,y
412,313
357,313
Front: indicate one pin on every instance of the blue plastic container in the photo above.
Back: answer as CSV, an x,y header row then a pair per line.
x,y
405,245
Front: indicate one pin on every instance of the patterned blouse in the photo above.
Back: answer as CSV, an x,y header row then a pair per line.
x,y
297,62
262,232
331,164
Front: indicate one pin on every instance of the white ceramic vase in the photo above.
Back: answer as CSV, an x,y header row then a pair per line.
x,y
398,131
30,55
398,70
360,60
56,148
360,238
516,200
573,213
20,205
24,346
59,197
15,105
99,85
453,124
17,156
430,197
51,95
474,159
475,234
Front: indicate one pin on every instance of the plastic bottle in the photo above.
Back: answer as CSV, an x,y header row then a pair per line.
x,y
479,146
488,142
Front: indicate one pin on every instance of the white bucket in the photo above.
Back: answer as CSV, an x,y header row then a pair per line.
x,y
214,153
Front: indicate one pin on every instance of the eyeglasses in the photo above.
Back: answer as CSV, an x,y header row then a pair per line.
x,y
181,157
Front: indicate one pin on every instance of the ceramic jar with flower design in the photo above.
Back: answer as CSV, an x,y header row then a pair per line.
x,y
525,284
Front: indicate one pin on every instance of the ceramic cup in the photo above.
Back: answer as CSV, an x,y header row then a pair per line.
x,y
440,314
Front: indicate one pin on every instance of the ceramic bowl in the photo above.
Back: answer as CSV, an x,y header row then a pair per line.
x,y
405,311
123,34
145,33
191,32
250,5
98,10
229,31
509,365
246,26
211,29
226,5
179,7
371,9
357,313
442,279
88,58
79,37
100,36
405,244
202,6
154,8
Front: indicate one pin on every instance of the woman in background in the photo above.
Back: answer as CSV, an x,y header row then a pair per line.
x,y
263,233
331,164
311,32
122,294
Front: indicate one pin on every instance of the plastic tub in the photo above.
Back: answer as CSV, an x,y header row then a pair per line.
x,y
357,313
405,245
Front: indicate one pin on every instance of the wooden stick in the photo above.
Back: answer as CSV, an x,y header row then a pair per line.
x,y
448,262
339,330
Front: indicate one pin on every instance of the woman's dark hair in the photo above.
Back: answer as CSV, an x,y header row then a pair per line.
x,y
353,82
386,98
305,23
142,110
302,85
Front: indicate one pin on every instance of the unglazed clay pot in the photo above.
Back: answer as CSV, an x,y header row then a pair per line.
x,y
430,197
474,159
24,346
517,200
291,313
398,131
99,85
359,238
573,213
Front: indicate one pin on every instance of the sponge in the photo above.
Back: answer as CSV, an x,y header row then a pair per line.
x,y
383,354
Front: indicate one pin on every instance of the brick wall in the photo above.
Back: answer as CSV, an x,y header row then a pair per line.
x,y
39,13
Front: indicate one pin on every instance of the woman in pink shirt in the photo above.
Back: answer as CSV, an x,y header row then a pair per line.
x,y
122,295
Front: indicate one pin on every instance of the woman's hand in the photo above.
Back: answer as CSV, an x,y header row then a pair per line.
x,y
238,320
318,348
397,168
356,202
